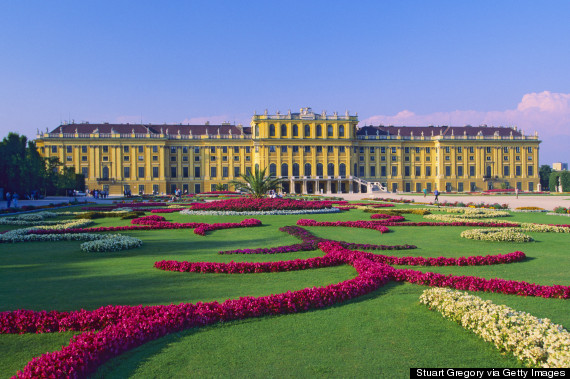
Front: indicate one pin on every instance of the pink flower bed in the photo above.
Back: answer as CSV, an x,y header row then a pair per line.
x,y
351,224
265,204
155,222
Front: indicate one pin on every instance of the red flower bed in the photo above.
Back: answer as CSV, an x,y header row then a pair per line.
x,y
351,224
265,204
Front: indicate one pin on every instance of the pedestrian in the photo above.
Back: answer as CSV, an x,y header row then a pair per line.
x,y
425,192
15,198
8,199
436,193
517,192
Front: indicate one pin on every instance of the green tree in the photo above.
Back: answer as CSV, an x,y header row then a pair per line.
x,y
544,173
256,183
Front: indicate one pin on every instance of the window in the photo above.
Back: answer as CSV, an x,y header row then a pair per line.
x,y
141,157
84,158
329,130
213,149
196,150
372,158
428,170
471,158
105,158
172,149
225,172
307,131
295,149
283,149
236,158
447,170
295,130
506,171
406,170
417,150
105,149
173,172
196,159
184,172
460,149
371,149
184,149
447,149
447,157
393,150
283,130
69,158
394,159
330,149
236,171
372,170
382,170
459,170
505,158
213,171
154,149
529,158
141,172
295,169
248,158
489,158
236,149
459,158
284,169
69,149
340,149
518,149
307,149
126,158
212,158
224,149
185,158
488,150
341,131
342,170
272,149
361,158
319,131
85,172
394,170
308,169
330,169
529,149
155,172
84,149
406,150
383,150
361,171
471,170
471,149
271,130
196,172
505,150
247,150
406,159
273,170
518,158
319,149
173,158
530,170
428,150
418,170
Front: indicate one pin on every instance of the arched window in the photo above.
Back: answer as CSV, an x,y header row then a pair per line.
x,y
307,131
284,170
342,169
273,170
271,130
256,130
319,131
341,131
320,169
295,169
283,130
330,169
329,131
105,172
307,169
295,130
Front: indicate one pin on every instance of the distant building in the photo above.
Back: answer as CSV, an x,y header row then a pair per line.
x,y
558,166
314,152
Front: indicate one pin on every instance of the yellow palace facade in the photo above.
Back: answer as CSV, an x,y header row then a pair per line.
x,y
313,152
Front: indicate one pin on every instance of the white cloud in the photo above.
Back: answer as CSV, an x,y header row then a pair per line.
x,y
546,112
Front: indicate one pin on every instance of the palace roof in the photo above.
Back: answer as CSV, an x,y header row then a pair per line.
x,y
428,131
167,129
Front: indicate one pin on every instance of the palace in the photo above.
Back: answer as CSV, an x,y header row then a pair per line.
x,y
315,153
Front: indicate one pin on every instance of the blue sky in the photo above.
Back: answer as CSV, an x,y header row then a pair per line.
x,y
398,62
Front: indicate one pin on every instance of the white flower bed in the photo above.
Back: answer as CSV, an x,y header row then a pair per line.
x,y
29,219
111,242
496,234
259,213
536,342
543,228
558,214
19,235
529,210
51,237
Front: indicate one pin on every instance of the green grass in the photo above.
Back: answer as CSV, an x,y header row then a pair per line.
x,y
383,333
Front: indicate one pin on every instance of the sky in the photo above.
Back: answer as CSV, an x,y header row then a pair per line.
x,y
409,63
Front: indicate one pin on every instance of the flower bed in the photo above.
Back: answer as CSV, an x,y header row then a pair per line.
x,y
351,224
536,342
112,242
189,212
503,235
253,204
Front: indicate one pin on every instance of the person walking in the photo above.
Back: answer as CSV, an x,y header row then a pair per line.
x,y
517,192
436,193
8,199
425,192
15,198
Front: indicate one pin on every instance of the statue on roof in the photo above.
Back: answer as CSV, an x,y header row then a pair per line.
x,y
75,130
398,131
161,131
133,131
96,131
178,131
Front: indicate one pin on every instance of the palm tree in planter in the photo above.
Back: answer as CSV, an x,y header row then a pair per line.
x,y
256,183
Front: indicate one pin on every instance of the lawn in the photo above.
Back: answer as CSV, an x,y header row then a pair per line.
x,y
383,333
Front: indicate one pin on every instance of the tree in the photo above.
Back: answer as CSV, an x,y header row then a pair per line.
x,y
256,183
544,173
220,187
